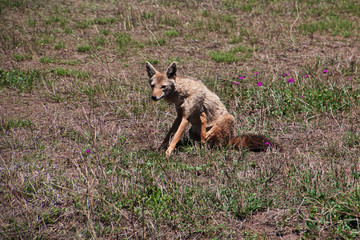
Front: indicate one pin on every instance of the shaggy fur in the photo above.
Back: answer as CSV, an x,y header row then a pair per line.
x,y
196,104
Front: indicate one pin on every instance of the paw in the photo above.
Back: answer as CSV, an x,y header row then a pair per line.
x,y
203,127
203,118
213,131
168,153
209,136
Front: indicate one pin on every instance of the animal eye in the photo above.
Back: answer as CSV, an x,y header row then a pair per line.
x,y
163,86
152,85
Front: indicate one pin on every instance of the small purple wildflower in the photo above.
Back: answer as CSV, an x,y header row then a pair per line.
x,y
87,151
268,144
255,74
285,74
236,83
291,80
242,77
307,75
325,71
302,96
259,84
151,131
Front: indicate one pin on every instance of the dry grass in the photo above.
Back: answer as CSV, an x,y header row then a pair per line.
x,y
79,132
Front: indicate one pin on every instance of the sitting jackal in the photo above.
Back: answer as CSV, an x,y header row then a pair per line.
x,y
195,103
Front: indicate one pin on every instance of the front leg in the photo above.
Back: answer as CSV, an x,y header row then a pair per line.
x,y
177,136
172,130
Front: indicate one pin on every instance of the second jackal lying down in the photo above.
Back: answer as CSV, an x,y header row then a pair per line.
x,y
195,103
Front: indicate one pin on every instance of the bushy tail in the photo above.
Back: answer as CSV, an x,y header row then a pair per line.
x,y
255,143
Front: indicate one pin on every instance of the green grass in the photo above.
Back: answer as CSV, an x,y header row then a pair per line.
x,y
68,30
152,61
11,4
99,41
79,134
83,24
22,57
334,25
66,72
104,21
69,62
59,45
55,19
318,93
84,48
231,56
239,5
338,211
172,33
123,40
22,80
105,32
223,56
236,39
300,97
161,41
15,123
47,60
147,15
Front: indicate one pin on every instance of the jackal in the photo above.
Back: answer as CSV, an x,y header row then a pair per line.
x,y
195,103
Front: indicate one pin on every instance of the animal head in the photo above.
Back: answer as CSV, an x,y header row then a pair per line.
x,y
161,84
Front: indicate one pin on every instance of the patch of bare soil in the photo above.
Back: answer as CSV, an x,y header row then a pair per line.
x,y
273,224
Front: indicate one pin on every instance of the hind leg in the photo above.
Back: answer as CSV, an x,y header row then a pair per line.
x,y
203,127
198,132
222,130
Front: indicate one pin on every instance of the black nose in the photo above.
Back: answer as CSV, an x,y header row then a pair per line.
x,y
153,98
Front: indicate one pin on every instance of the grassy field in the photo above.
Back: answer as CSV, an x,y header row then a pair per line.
x,y
79,132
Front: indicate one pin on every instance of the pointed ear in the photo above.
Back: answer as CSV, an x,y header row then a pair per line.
x,y
150,70
171,71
